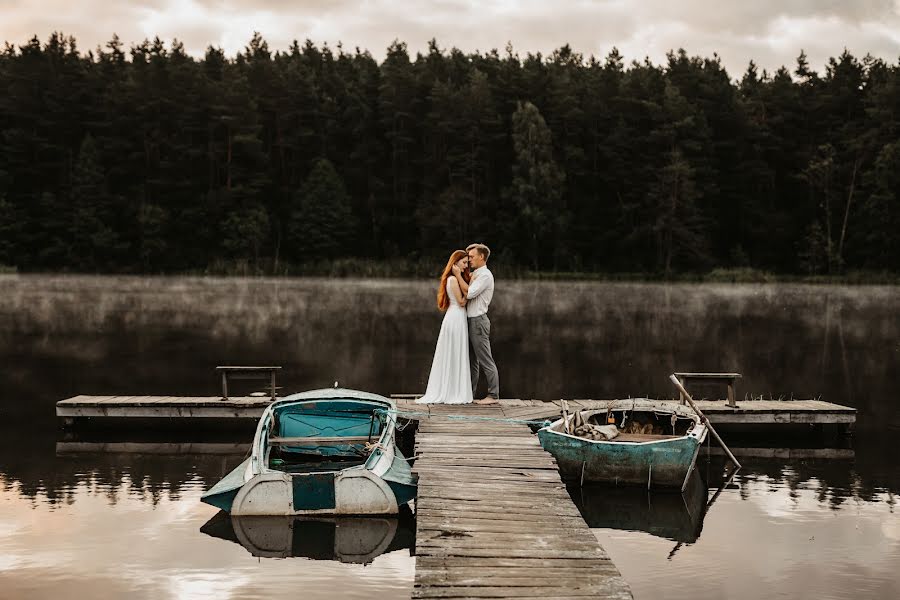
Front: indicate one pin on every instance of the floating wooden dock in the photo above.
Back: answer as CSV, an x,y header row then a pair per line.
x,y
493,518
746,413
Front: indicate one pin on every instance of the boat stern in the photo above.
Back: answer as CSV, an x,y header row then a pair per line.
x,y
355,491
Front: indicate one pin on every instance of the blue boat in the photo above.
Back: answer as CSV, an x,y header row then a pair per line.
x,y
323,452
630,442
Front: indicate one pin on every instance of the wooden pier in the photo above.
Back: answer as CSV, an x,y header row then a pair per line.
x,y
746,413
493,518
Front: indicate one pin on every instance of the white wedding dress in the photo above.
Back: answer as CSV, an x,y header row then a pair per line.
x,y
450,381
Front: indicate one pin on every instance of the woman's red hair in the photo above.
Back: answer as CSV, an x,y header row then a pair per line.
x,y
443,300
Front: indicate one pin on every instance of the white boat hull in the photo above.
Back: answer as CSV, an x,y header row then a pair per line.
x,y
356,492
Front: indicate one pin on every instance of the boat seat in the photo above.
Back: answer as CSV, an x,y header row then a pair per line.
x,y
642,437
318,440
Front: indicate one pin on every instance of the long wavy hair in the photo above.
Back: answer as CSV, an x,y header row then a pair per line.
x,y
443,300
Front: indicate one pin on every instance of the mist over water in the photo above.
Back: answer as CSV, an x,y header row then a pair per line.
x,y
66,335
129,335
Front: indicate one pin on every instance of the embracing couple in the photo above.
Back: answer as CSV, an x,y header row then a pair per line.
x,y
463,349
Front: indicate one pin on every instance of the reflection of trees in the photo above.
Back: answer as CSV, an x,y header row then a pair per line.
x,y
149,478
868,477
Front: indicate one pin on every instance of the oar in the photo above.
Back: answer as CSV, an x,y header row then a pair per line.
x,y
712,429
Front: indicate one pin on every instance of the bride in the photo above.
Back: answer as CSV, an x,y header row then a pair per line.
x,y
450,381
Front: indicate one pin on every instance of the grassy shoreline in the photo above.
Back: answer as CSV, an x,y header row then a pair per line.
x,y
408,269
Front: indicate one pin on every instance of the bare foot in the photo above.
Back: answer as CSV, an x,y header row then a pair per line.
x,y
487,400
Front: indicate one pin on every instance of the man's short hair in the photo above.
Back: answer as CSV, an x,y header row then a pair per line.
x,y
481,248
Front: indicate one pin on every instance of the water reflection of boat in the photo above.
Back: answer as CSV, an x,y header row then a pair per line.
x,y
345,539
324,452
667,514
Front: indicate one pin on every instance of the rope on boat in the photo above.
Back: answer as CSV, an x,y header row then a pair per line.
x,y
369,448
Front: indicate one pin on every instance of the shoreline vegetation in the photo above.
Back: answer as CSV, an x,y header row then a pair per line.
x,y
425,270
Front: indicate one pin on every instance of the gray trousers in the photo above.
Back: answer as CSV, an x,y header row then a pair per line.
x,y
480,359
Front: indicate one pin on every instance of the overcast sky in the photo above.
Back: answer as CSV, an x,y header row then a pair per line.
x,y
771,32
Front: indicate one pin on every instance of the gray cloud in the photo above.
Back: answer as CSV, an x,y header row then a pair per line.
x,y
768,31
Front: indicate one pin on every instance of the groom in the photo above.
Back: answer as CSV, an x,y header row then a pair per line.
x,y
481,290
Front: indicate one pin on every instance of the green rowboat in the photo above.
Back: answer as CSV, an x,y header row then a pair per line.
x,y
638,442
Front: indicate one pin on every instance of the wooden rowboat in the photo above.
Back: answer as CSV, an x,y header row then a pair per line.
x,y
637,442
323,452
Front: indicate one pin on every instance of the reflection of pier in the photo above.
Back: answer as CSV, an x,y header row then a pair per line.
x,y
768,414
154,448
788,453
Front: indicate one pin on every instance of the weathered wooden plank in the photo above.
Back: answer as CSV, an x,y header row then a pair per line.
x,y
500,463
445,576
438,439
476,593
445,515
478,473
424,594
500,578
535,573
485,490
546,489
514,483
570,589
497,502
464,562
520,552
535,525
510,445
501,538
464,473
489,452
462,529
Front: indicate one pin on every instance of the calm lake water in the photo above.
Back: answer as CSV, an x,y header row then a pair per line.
x,y
116,524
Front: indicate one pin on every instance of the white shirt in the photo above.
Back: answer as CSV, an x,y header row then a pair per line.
x,y
481,290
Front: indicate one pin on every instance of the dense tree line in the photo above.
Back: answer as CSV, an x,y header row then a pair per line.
x,y
150,160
